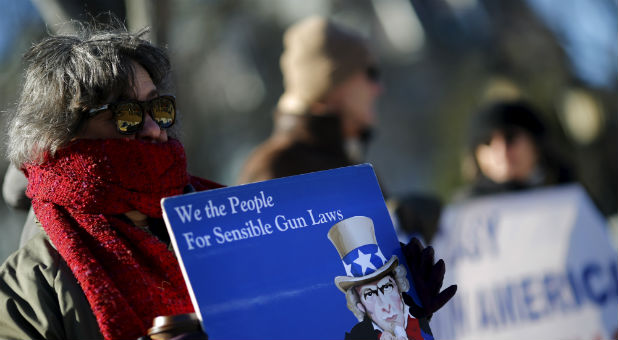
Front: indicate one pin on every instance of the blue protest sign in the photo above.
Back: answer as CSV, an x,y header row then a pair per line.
x,y
275,259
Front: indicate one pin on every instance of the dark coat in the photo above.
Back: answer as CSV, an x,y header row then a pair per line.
x,y
40,297
299,144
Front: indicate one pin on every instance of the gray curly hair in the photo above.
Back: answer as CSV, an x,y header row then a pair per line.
x,y
68,74
352,298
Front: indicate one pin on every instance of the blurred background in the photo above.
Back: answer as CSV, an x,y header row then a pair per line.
x,y
440,60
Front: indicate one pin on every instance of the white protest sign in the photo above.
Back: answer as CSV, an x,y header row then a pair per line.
x,y
529,265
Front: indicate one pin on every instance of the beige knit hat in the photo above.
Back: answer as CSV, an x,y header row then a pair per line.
x,y
318,55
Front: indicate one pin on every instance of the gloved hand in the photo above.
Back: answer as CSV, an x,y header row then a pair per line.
x,y
427,278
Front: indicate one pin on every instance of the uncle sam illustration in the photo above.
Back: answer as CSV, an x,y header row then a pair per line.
x,y
373,286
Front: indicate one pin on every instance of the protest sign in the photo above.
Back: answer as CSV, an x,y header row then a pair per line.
x,y
274,260
529,265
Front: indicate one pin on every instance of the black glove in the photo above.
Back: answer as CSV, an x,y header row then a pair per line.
x,y
427,278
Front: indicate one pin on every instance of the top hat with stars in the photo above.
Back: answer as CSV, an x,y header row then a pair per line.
x,y
355,241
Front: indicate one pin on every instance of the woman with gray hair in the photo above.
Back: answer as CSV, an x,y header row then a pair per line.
x,y
91,135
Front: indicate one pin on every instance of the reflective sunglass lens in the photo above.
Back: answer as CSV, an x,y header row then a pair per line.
x,y
163,111
128,117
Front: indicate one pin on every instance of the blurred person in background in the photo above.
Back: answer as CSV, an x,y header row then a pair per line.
x,y
326,116
510,148
324,120
92,134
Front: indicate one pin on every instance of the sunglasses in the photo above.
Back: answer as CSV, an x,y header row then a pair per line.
x,y
373,74
130,114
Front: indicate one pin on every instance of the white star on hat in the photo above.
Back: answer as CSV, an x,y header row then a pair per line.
x,y
364,260
348,269
379,254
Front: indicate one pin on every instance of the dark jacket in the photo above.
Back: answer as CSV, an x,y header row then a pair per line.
x,y
40,298
299,144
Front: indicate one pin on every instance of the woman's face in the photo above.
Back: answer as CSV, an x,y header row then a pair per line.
x,y
508,159
355,100
102,125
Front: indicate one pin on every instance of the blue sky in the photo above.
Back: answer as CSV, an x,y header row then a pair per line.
x,y
588,32
14,17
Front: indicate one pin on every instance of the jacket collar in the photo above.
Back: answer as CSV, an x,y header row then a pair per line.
x,y
318,130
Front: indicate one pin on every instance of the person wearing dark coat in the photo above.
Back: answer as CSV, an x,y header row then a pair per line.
x,y
510,147
324,118
93,133
323,121
326,115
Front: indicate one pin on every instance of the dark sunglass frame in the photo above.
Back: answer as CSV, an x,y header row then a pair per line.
x,y
145,106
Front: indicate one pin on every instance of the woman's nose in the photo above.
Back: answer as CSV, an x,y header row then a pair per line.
x,y
151,131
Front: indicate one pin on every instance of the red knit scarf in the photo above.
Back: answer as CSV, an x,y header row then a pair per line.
x,y
129,276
